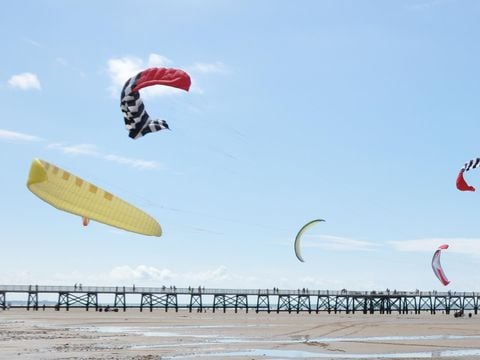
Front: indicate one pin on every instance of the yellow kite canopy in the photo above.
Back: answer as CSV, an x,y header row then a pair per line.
x,y
70,193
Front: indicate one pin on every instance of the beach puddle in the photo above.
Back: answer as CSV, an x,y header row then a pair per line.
x,y
393,338
150,332
154,332
298,354
168,338
198,344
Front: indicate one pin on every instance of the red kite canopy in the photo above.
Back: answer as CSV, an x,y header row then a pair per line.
x,y
461,183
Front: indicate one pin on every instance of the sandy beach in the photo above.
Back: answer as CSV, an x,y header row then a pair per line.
x,y
78,334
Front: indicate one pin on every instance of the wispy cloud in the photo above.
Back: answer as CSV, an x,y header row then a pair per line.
x,y
33,42
456,245
337,243
208,68
17,137
81,149
205,69
135,163
64,63
92,150
25,81
61,61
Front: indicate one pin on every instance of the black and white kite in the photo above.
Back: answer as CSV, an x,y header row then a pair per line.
x,y
137,120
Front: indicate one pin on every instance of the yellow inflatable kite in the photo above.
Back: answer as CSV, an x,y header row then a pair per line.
x,y
70,193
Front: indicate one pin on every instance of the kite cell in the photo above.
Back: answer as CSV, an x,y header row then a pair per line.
x,y
137,120
72,194
300,234
437,267
461,183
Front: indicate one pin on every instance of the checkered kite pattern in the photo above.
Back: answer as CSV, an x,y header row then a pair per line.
x,y
137,121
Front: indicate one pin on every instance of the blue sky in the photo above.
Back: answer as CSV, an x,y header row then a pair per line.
x,y
357,112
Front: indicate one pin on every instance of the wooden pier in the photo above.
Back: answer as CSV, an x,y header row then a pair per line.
x,y
199,299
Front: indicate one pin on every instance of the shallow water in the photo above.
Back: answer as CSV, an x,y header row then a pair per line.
x,y
395,338
153,332
298,354
206,341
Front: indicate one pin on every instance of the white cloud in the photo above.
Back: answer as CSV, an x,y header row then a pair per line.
x,y
144,273
33,42
17,137
81,149
456,245
329,282
25,81
135,163
217,274
91,150
158,60
206,68
61,61
337,243
140,273
17,277
66,64
121,69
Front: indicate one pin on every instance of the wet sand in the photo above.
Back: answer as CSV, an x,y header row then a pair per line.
x,y
78,334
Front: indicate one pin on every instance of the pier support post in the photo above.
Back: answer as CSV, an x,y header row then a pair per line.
x,y
284,303
195,301
159,300
120,300
32,300
263,303
241,301
323,303
342,303
425,303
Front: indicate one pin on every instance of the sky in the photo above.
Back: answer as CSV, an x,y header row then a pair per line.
x,y
357,112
